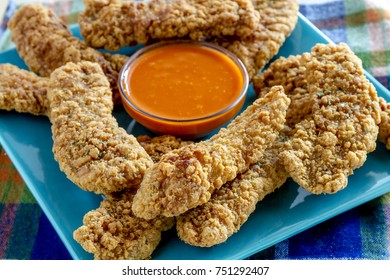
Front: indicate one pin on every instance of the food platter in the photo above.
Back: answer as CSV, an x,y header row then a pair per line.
x,y
290,210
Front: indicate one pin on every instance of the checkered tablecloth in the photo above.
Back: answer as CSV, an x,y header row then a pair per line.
x,y
361,233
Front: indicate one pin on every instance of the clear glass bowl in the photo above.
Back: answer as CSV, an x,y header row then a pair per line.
x,y
189,127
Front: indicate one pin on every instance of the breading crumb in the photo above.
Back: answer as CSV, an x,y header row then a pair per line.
x,y
114,24
93,151
343,127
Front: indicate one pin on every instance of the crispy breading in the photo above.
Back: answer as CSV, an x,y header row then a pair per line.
x,y
45,43
290,73
384,126
112,232
230,206
91,149
116,60
159,145
326,147
22,91
277,21
112,24
186,177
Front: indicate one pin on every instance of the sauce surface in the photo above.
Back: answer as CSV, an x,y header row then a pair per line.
x,y
184,82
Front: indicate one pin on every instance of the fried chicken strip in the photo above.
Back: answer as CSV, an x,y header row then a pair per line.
x,y
230,206
186,177
112,24
384,126
112,232
325,148
91,149
277,21
290,73
45,43
22,91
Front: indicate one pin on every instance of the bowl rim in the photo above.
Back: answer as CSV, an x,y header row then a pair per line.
x,y
125,69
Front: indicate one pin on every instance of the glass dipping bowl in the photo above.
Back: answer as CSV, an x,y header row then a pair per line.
x,y
175,110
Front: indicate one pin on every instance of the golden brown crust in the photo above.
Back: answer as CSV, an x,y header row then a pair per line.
x,y
186,177
22,91
116,60
112,232
112,24
326,147
159,145
45,43
384,126
277,21
230,206
290,73
93,151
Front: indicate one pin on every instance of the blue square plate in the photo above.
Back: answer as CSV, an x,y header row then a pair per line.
x,y
288,211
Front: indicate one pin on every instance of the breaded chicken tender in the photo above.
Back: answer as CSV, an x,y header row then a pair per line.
x,y
22,91
45,43
112,232
112,24
325,148
230,206
277,21
290,73
186,177
91,149
384,126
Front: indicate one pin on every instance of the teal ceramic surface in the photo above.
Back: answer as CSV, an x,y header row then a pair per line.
x,y
288,211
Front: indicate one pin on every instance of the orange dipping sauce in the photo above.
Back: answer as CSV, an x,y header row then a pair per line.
x,y
183,88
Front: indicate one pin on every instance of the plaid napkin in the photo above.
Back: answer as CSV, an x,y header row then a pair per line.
x,y
361,233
